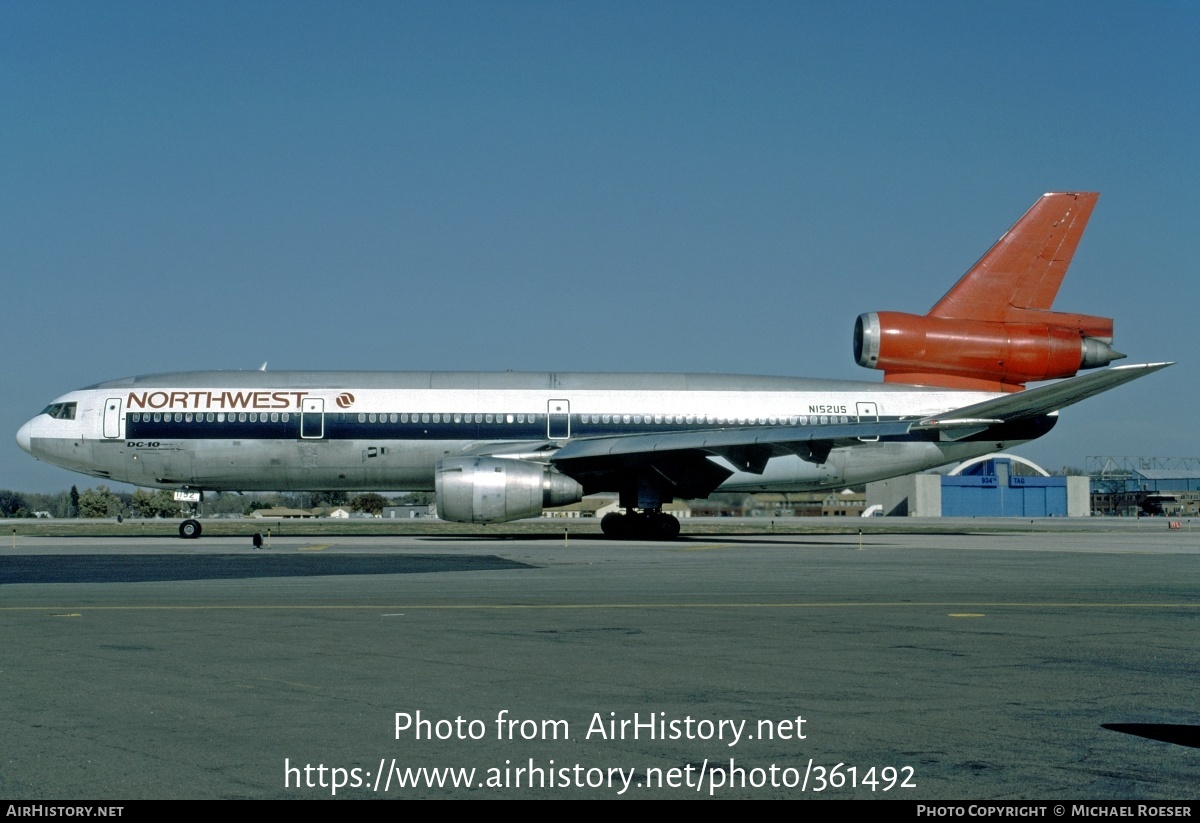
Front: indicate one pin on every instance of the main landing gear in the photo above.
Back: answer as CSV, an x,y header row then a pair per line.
x,y
640,525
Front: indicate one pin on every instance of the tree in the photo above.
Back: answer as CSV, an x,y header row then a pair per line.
x,y
295,500
159,503
224,504
369,502
334,498
74,502
57,504
99,502
11,503
415,499
254,506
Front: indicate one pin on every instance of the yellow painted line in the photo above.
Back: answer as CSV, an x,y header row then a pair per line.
x,y
965,614
315,548
73,614
709,547
601,606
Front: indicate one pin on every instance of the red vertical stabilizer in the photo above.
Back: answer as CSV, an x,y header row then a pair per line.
x,y
994,329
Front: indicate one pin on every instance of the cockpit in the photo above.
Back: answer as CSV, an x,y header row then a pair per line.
x,y
60,411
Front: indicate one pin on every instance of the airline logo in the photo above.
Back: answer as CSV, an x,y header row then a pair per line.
x,y
345,400
221,400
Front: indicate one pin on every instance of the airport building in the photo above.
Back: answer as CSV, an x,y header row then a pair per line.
x,y
407,512
994,485
843,503
1141,486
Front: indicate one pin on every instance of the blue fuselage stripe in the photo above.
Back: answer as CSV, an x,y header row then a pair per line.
x,y
346,426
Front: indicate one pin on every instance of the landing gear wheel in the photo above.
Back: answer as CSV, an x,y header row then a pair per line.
x,y
640,526
614,525
189,529
663,526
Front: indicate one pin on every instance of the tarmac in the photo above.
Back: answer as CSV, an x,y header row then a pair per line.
x,y
974,665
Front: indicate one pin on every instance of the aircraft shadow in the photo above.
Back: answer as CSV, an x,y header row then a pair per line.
x,y
146,568
1177,733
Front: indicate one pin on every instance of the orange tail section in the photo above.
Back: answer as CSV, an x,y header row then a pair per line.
x,y
994,329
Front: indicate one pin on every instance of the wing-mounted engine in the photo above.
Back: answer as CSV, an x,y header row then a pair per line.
x,y
496,490
994,330
980,354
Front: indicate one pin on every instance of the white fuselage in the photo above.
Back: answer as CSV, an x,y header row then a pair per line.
x,y
272,431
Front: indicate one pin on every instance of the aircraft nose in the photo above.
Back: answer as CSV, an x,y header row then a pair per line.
x,y
24,437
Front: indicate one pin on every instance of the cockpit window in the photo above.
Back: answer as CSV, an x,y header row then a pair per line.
x,y
60,411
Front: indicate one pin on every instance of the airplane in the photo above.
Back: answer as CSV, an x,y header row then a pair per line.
x,y
496,447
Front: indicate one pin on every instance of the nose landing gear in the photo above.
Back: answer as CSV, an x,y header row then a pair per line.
x,y
189,529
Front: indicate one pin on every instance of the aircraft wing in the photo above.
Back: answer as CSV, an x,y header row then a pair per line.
x,y
1042,400
681,459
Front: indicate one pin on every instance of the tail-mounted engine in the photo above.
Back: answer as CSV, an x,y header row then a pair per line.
x,y
494,490
979,354
995,330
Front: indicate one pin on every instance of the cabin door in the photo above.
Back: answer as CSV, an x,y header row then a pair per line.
x,y
558,419
112,417
867,413
312,419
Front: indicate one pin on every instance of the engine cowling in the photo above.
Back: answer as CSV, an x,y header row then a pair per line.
x,y
494,490
1040,345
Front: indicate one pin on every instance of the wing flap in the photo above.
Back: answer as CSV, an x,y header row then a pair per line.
x,y
718,442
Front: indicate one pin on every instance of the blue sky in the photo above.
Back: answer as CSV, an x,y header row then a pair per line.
x,y
579,186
